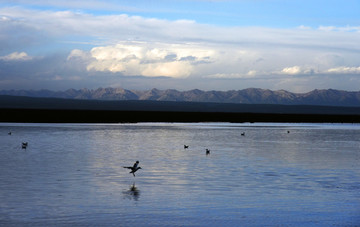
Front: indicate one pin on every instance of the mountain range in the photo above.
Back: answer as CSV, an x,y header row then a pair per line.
x,y
326,97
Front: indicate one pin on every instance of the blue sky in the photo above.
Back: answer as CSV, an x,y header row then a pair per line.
x,y
206,44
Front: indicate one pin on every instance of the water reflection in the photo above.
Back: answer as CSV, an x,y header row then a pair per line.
x,y
132,193
74,174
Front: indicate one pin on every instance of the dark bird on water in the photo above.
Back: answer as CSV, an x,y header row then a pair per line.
x,y
186,146
133,168
243,134
207,151
24,145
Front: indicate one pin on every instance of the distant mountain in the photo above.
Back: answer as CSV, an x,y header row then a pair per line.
x,y
327,97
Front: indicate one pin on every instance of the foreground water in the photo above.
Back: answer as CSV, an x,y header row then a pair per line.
x,y
277,174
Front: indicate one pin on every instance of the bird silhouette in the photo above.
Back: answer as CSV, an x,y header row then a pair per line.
x,y
133,168
24,145
207,151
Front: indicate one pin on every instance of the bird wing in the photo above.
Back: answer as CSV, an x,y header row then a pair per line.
x,y
127,167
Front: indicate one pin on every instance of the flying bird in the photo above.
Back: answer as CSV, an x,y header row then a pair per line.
x,y
133,168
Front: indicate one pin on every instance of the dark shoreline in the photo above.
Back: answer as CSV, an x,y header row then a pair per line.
x,y
116,116
55,110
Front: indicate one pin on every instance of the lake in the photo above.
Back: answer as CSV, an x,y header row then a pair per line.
x,y
273,175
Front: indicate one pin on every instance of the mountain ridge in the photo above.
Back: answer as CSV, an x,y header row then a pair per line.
x,y
324,97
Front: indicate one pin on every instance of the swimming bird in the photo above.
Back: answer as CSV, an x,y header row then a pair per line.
x,y
24,145
186,146
9,133
133,168
243,134
207,151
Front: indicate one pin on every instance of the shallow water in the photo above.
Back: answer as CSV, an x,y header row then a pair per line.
x,y
72,175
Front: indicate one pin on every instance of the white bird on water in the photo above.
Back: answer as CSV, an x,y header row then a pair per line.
x,y
133,168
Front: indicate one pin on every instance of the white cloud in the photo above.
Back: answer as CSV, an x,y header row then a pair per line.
x,y
146,59
346,70
291,70
303,27
16,56
154,59
327,28
172,69
76,53
112,28
296,70
134,45
342,29
250,74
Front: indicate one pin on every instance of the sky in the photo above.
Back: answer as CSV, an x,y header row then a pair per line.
x,y
293,45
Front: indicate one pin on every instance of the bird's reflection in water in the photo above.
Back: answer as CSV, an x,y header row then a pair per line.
x,y
132,193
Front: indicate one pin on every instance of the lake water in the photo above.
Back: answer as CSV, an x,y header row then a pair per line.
x,y
73,175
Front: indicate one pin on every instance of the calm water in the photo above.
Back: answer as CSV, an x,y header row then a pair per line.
x,y
72,175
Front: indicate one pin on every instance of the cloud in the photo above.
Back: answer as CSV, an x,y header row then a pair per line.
x,y
146,59
303,27
291,70
199,60
345,70
296,70
108,48
342,29
116,27
76,53
248,75
16,56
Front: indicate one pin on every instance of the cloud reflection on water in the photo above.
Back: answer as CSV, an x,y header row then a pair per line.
x,y
309,175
